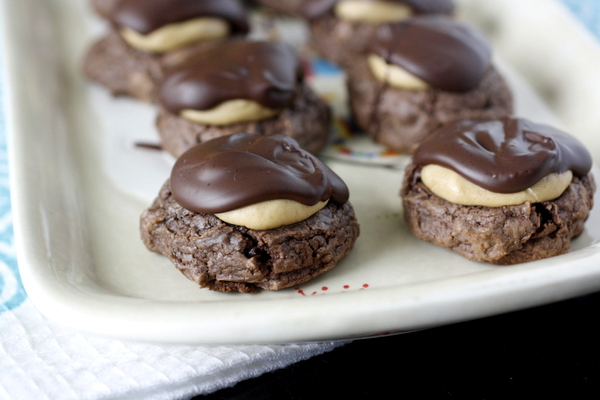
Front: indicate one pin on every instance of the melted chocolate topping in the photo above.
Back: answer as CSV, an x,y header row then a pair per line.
x,y
504,156
447,54
315,8
234,171
145,16
266,72
430,6
312,9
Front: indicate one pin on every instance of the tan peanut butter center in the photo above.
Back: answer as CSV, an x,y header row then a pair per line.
x,y
270,214
450,186
374,12
394,75
230,112
176,35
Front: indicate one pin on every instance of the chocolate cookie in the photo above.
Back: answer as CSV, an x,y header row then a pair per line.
x,y
465,86
341,30
130,59
500,161
104,7
240,170
265,77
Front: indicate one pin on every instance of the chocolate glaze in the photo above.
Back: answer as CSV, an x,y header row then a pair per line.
x,y
430,6
145,16
506,155
315,8
447,54
311,9
266,72
234,171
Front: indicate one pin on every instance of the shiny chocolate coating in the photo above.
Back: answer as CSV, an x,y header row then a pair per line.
x,y
266,72
447,54
506,155
234,171
429,6
145,16
312,9
315,8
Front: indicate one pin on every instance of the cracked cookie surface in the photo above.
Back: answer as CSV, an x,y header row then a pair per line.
x,y
225,257
498,235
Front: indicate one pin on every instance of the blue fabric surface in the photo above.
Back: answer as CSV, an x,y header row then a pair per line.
x,y
12,293
587,11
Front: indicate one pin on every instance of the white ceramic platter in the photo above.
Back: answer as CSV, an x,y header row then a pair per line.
x,y
79,184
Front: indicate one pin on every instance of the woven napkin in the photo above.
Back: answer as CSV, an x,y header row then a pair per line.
x,y
42,360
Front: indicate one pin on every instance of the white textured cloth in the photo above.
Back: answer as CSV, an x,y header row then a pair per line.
x,y
42,360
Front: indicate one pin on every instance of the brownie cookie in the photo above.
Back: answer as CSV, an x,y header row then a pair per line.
x,y
255,183
400,92
503,191
342,29
104,7
249,86
147,36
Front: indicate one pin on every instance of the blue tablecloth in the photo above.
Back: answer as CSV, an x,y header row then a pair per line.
x,y
587,11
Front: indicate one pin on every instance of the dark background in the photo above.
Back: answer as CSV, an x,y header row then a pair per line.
x,y
547,352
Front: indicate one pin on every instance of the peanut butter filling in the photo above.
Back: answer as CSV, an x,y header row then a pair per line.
x,y
373,12
270,214
450,186
176,35
230,112
394,75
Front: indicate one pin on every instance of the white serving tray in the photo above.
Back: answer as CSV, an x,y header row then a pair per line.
x,y
79,185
